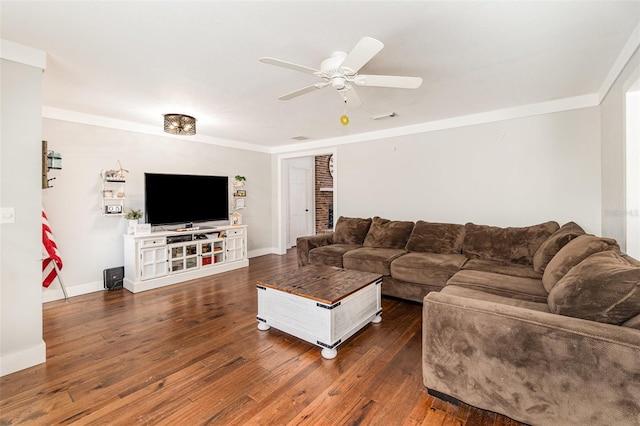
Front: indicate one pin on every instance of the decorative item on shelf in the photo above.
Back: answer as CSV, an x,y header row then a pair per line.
x,y
50,161
54,160
241,193
179,124
239,203
236,219
133,216
239,180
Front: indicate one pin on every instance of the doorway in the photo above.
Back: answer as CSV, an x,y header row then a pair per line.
x,y
632,170
298,212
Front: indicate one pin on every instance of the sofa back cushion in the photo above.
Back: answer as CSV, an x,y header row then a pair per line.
x,y
516,245
388,233
574,252
443,238
554,243
351,230
604,287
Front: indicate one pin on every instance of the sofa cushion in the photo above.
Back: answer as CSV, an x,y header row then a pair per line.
x,y
554,243
529,289
351,230
427,268
516,245
432,237
388,233
455,290
504,268
634,322
574,252
370,259
604,287
330,255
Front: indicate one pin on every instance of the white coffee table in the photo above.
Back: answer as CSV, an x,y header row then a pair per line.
x,y
322,305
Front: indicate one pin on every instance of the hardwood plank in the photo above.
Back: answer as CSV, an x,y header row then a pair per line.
x,y
191,353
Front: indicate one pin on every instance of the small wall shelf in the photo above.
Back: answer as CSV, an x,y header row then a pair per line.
x,y
239,195
112,195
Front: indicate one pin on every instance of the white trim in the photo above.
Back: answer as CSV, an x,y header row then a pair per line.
x,y
52,293
559,105
16,361
22,54
112,123
262,252
625,54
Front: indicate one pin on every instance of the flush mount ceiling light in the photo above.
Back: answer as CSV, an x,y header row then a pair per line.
x,y
179,124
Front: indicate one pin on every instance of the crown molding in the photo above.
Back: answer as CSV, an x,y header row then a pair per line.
x,y
112,123
549,107
621,61
22,54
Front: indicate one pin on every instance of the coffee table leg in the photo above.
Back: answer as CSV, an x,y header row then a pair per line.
x,y
329,353
263,326
377,319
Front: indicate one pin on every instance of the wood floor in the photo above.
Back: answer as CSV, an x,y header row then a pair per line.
x,y
191,354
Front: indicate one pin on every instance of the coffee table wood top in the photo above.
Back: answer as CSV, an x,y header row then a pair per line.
x,y
326,284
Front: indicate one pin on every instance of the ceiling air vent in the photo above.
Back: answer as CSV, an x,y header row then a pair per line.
x,y
381,116
300,138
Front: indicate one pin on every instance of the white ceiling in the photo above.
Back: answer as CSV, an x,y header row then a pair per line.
x,y
135,61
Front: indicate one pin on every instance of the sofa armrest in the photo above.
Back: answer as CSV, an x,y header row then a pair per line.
x,y
535,367
305,244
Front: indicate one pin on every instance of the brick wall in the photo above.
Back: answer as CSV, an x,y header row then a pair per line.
x,y
324,199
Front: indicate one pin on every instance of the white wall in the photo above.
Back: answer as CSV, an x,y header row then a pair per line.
x,y
90,242
21,343
612,113
509,173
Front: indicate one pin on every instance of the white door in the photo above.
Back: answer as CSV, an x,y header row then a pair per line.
x,y
300,204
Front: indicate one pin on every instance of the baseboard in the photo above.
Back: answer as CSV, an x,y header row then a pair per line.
x,y
10,363
54,291
262,252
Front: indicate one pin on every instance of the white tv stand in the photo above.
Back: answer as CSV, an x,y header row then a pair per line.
x,y
163,258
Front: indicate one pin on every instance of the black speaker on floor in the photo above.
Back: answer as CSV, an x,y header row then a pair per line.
x,y
113,278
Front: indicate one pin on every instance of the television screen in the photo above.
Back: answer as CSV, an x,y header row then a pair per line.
x,y
179,199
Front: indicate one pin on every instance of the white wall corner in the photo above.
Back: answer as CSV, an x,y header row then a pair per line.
x,y
621,61
22,54
16,361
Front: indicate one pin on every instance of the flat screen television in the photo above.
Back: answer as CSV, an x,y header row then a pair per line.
x,y
171,199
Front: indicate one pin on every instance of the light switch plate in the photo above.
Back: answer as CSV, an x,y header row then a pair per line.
x,y
7,215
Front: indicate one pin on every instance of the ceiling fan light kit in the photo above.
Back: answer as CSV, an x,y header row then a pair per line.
x,y
340,70
179,124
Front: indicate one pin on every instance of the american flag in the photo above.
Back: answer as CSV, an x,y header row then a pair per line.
x,y
51,262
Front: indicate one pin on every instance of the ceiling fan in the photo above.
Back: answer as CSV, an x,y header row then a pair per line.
x,y
340,71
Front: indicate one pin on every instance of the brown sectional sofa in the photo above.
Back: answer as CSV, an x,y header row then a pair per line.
x,y
540,323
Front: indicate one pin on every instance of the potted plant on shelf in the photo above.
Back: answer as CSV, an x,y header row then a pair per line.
x,y
133,215
240,180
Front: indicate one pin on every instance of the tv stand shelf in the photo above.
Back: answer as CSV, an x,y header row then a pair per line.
x,y
169,257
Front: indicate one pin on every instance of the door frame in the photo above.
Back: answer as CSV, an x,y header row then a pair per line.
x,y
281,203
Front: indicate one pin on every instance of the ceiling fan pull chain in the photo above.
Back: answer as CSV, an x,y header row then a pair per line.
x,y
344,120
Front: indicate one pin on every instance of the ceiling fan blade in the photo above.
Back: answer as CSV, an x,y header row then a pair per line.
x,y
396,81
362,53
351,98
302,91
289,65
